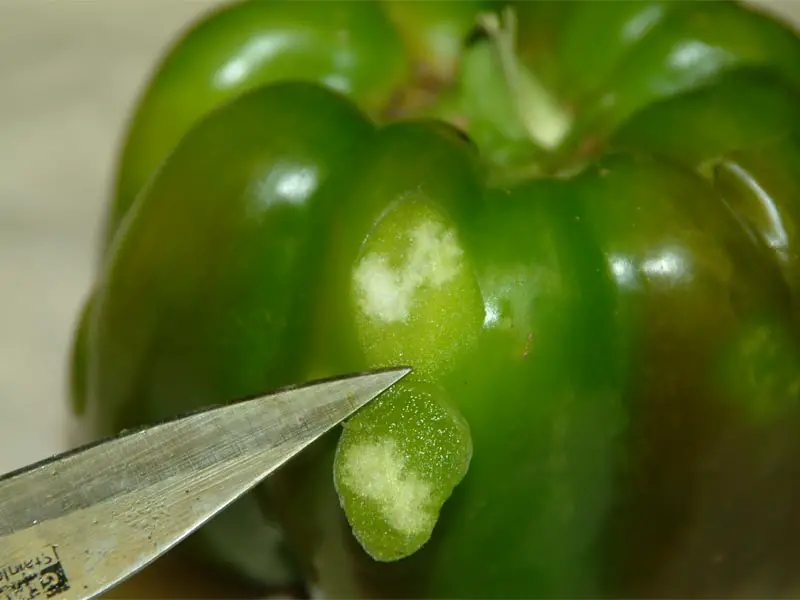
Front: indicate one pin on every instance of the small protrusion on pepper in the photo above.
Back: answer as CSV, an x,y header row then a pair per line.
x,y
397,462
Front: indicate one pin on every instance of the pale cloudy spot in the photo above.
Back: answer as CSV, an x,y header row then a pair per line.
x,y
433,259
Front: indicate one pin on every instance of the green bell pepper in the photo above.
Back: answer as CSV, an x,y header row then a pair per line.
x,y
577,221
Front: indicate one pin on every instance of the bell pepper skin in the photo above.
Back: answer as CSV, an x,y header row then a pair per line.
x,y
761,183
140,371
545,355
584,243
245,45
352,49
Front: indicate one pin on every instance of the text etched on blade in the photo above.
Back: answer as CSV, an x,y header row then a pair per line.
x,y
40,576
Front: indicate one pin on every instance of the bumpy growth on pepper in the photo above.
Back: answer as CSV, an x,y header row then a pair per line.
x,y
577,221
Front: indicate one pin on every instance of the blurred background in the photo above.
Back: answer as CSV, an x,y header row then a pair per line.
x,y
70,71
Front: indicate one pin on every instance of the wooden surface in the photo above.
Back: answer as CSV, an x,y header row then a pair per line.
x,y
69,73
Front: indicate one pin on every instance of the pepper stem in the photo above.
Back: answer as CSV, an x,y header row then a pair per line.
x,y
544,119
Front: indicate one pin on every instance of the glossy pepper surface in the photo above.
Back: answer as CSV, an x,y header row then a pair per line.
x,y
577,221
